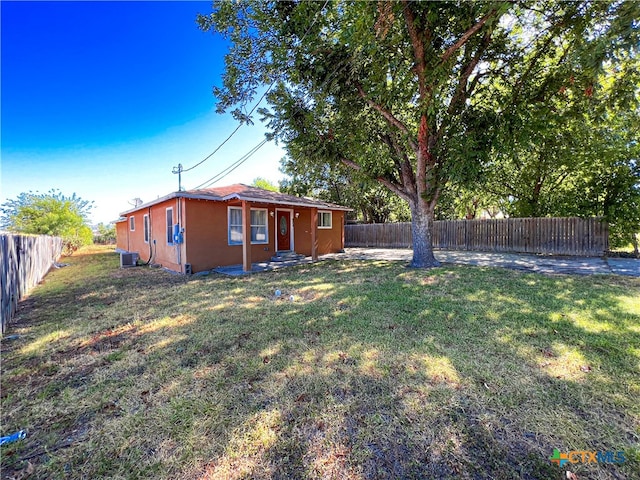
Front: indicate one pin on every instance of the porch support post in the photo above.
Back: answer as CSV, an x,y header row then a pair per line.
x,y
246,236
314,234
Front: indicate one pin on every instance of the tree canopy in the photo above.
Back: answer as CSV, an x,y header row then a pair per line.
x,y
371,201
49,213
265,184
568,144
414,95
105,233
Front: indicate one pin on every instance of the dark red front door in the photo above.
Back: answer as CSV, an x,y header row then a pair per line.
x,y
284,235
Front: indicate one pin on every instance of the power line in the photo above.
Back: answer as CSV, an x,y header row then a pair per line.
x,y
232,133
180,169
220,175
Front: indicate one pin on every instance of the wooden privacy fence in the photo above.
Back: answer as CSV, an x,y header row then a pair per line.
x,y
559,236
25,260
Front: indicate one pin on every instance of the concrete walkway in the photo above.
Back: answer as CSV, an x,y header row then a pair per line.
x,y
236,270
624,266
516,261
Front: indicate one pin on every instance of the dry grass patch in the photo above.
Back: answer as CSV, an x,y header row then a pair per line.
x,y
372,371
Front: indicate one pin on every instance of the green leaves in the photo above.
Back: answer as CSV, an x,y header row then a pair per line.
x,y
49,213
423,96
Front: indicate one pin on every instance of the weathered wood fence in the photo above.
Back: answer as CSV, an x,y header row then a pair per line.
x,y
559,236
24,261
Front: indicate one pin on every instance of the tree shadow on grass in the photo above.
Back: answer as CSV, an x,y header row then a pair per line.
x,y
489,424
373,371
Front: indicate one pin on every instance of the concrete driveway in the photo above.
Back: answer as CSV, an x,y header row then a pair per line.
x,y
517,261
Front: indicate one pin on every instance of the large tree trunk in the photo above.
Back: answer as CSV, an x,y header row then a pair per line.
x,y
422,219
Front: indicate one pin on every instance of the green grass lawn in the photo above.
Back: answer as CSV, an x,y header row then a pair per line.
x,y
373,370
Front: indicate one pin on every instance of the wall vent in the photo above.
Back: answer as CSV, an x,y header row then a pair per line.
x,y
128,259
187,269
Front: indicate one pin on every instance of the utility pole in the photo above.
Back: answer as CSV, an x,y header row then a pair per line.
x,y
178,170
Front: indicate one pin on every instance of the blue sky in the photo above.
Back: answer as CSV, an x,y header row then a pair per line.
x,y
103,99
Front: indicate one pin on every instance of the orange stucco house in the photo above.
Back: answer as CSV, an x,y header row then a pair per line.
x,y
198,230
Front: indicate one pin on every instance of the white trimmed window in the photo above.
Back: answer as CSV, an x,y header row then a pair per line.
x,y
132,223
170,226
259,232
324,219
145,222
259,226
235,226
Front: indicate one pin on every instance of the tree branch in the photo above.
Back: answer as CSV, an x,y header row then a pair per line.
x,y
474,83
386,138
553,32
394,187
388,116
461,91
402,163
560,180
418,49
466,36
527,73
406,169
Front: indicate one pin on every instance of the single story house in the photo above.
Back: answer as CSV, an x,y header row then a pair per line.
x,y
198,230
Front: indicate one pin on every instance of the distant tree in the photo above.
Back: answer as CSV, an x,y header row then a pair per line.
x,y
50,213
265,184
106,233
469,202
567,144
371,202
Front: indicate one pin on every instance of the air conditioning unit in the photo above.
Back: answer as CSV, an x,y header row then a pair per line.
x,y
128,259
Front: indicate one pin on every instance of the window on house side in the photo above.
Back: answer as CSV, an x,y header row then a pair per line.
x,y
235,226
170,226
132,224
145,221
324,219
259,226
